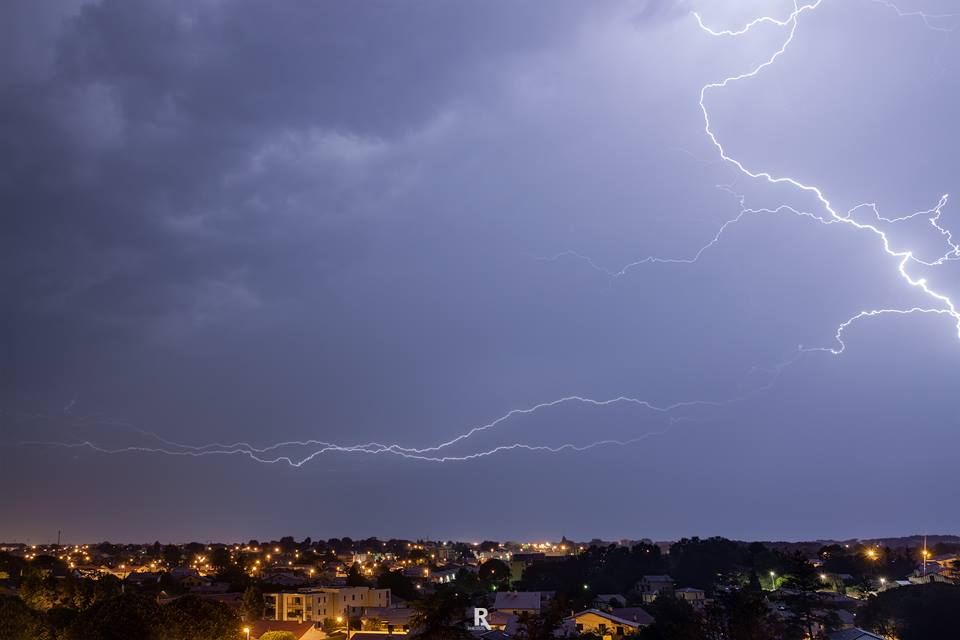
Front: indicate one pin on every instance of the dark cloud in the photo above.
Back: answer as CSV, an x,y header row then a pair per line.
x,y
236,220
172,153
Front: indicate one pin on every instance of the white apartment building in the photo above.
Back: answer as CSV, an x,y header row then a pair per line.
x,y
320,603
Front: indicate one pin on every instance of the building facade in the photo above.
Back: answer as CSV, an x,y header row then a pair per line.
x,y
325,603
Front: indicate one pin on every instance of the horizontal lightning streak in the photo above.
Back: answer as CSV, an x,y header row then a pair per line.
x,y
943,305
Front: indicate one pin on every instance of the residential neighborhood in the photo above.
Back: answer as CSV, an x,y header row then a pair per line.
x,y
609,590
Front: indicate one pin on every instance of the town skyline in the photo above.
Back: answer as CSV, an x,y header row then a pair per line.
x,y
478,269
289,589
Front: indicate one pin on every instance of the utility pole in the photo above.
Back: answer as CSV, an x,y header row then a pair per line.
x,y
925,556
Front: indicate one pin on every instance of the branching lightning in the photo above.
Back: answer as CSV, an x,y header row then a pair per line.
x,y
904,259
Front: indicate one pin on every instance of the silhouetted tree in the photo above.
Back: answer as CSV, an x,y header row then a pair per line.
x,y
253,606
399,584
220,558
698,563
440,617
171,553
917,612
121,618
20,622
193,618
494,571
742,615
675,619
809,607
355,577
545,625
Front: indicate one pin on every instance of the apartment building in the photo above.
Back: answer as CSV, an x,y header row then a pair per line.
x,y
320,603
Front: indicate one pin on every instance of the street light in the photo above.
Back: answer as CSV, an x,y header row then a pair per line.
x,y
340,621
773,584
246,630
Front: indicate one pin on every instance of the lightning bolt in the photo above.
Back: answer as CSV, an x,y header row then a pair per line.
x,y
930,20
904,259
941,303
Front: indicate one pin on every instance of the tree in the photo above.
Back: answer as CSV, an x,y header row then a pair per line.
x,y
809,607
545,625
675,620
171,553
399,584
355,578
494,571
20,622
742,615
440,617
698,563
278,635
39,592
220,558
11,565
121,618
253,606
913,613
107,586
235,576
193,618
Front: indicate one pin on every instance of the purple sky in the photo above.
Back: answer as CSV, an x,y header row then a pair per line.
x,y
230,221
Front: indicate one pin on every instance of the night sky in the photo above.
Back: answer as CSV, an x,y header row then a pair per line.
x,y
226,224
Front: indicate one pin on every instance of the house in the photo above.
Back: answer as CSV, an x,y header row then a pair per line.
x,y
635,614
389,619
610,600
195,582
933,574
182,573
609,624
300,630
443,576
211,587
491,635
503,621
846,618
284,579
696,598
518,602
649,587
144,577
853,634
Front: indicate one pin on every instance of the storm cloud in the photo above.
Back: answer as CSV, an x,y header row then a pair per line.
x,y
232,220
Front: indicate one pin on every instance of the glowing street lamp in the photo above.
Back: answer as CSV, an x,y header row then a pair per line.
x,y
246,630
773,583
